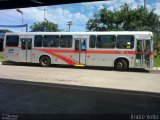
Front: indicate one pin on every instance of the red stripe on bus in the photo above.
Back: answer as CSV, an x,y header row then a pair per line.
x,y
151,53
143,53
109,52
73,62
65,59
57,50
116,52
91,51
96,51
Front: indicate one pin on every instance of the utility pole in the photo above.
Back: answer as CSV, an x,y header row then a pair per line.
x,y
145,4
69,23
26,27
44,13
157,42
18,10
44,20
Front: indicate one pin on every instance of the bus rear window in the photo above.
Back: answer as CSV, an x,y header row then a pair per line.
x,y
12,40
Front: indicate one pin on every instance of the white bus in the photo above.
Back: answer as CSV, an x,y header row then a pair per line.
x,y
120,50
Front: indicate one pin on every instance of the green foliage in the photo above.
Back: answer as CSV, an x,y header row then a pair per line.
x,y
44,26
157,53
138,19
1,56
126,19
157,62
4,31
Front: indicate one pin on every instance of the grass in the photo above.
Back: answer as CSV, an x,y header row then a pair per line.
x,y
157,62
1,56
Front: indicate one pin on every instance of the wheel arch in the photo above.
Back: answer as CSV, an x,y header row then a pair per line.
x,y
46,56
119,58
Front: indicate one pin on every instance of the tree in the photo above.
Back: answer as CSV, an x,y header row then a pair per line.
x,y
124,19
44,26
4,30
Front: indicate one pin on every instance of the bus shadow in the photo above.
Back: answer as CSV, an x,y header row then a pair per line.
x,y
20,64
73,67
48,98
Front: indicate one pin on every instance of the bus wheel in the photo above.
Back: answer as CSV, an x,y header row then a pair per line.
x,y
121,65
45,61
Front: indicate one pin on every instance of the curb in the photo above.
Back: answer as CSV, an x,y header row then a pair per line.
x,y
155,68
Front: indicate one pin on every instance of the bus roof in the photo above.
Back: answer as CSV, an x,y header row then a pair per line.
x,y
85,33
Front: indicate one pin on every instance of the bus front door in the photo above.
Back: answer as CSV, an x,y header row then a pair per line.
x,y
80,51
143,56
26,49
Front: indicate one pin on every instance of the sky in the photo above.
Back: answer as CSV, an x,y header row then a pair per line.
x,y
78,13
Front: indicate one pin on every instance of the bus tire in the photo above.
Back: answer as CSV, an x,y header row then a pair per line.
x,y
121,65
45,61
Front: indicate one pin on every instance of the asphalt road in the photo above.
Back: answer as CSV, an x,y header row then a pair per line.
x,y
60,90
43,98
133,79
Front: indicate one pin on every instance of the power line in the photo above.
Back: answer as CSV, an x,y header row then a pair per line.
x,y
9,16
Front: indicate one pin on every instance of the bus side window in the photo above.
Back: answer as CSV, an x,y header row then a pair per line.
x,y
23,44
106,41
51,41
77,45
147,47
38,41
12,41
139,46
66,41
125,42
29,44
83,46
92,41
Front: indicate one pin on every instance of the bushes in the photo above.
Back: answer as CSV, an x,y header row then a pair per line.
x,y
1,56
157,53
